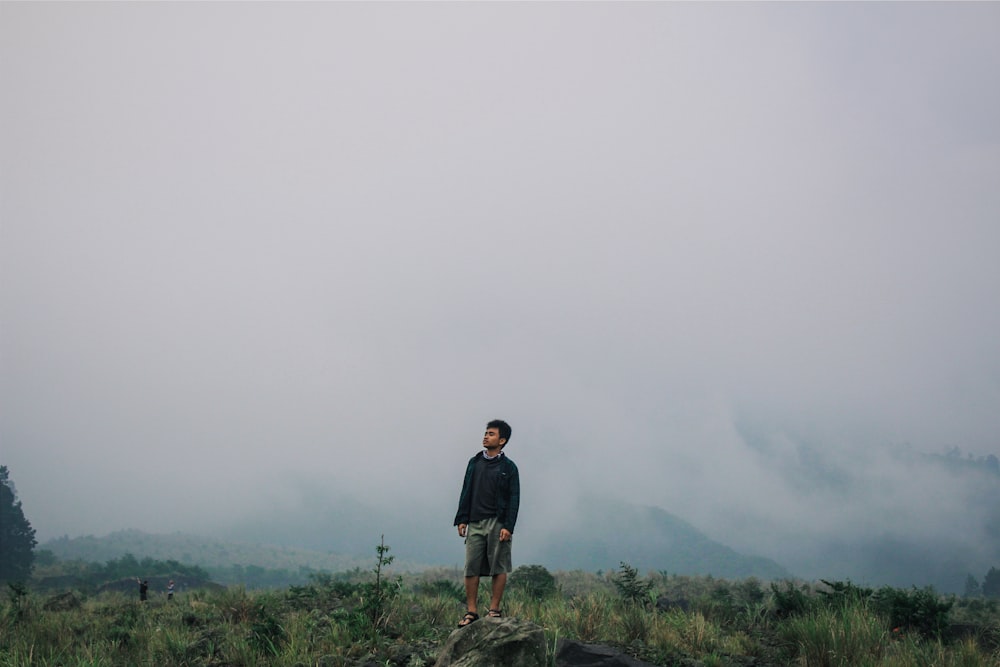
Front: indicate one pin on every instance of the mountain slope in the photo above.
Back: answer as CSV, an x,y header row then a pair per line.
x,y
647,538
603,535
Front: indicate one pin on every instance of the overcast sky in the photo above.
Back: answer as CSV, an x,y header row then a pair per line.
x,y
247,249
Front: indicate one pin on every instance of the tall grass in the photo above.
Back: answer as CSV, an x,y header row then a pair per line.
x,y
327,623
842,636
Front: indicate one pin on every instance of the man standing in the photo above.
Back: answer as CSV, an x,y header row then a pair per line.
x,y
487,512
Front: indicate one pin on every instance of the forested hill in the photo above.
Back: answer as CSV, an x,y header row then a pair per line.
x,y
196,550
647,538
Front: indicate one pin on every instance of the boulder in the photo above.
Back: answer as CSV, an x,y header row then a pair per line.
x,y
573,653
495,642
63,602
664,603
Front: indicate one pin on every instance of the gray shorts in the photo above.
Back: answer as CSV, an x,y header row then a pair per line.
x,y
485,554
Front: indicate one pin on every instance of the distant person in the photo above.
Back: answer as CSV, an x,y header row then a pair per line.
x,y
487,512
143,589
170,590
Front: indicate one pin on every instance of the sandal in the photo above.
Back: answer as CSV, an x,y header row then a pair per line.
x,y
468,619
494,613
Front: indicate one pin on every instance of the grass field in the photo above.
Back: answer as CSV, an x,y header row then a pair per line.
x,y
346,621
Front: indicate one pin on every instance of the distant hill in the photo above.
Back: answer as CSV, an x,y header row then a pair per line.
x,y
600,534
647,538
606,534
196,550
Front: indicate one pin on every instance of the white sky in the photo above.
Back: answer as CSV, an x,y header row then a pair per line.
x,y
248,247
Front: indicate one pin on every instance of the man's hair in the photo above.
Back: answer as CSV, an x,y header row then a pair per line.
x,y
502,427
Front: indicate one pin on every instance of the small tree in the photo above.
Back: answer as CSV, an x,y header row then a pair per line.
x,y
972,587
991,583
921,610
629,586
17,537
377,596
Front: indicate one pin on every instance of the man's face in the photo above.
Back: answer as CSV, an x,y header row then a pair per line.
x,y
492,440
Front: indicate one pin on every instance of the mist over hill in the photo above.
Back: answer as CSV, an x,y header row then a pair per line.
x,y
880,515
196,550
609,533
605,532
776,502
873,512
602,534
850,519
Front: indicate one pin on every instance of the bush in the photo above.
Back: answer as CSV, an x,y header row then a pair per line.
x,y
442,588
844,593
533,580
630,587
748,591
789,600
266,633
325,593
921,610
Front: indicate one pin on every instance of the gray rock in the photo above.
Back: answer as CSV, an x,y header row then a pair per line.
x,y
664,603
495,642
63,602
573,653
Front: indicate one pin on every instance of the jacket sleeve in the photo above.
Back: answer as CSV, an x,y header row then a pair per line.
x,y
514,499
465,499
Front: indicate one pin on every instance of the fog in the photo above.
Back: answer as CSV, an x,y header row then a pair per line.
x,y
252,255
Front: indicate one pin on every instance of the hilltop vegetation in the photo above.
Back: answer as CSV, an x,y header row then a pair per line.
x,y
231,563
648,537
73,612
353,619
204,551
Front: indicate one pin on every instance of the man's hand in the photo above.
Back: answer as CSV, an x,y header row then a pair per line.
x,y
461,529
504,534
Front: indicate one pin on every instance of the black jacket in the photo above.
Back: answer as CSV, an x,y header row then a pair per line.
x,y
508,493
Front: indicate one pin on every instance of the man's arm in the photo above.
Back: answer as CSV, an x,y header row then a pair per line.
x,y
513,502
464,501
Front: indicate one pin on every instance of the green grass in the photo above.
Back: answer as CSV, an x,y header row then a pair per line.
x,y
333,623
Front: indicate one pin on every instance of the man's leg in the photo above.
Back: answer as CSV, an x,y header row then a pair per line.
x,y
499,582
472,594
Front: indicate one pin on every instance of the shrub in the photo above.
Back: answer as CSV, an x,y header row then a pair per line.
x,y
441,588
789,599
921,610
842,592
533,580
324,593
748,591
266,633
630,587
18,594
121,632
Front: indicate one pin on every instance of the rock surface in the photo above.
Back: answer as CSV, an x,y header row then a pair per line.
x,y
573,653
63,602
495,642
